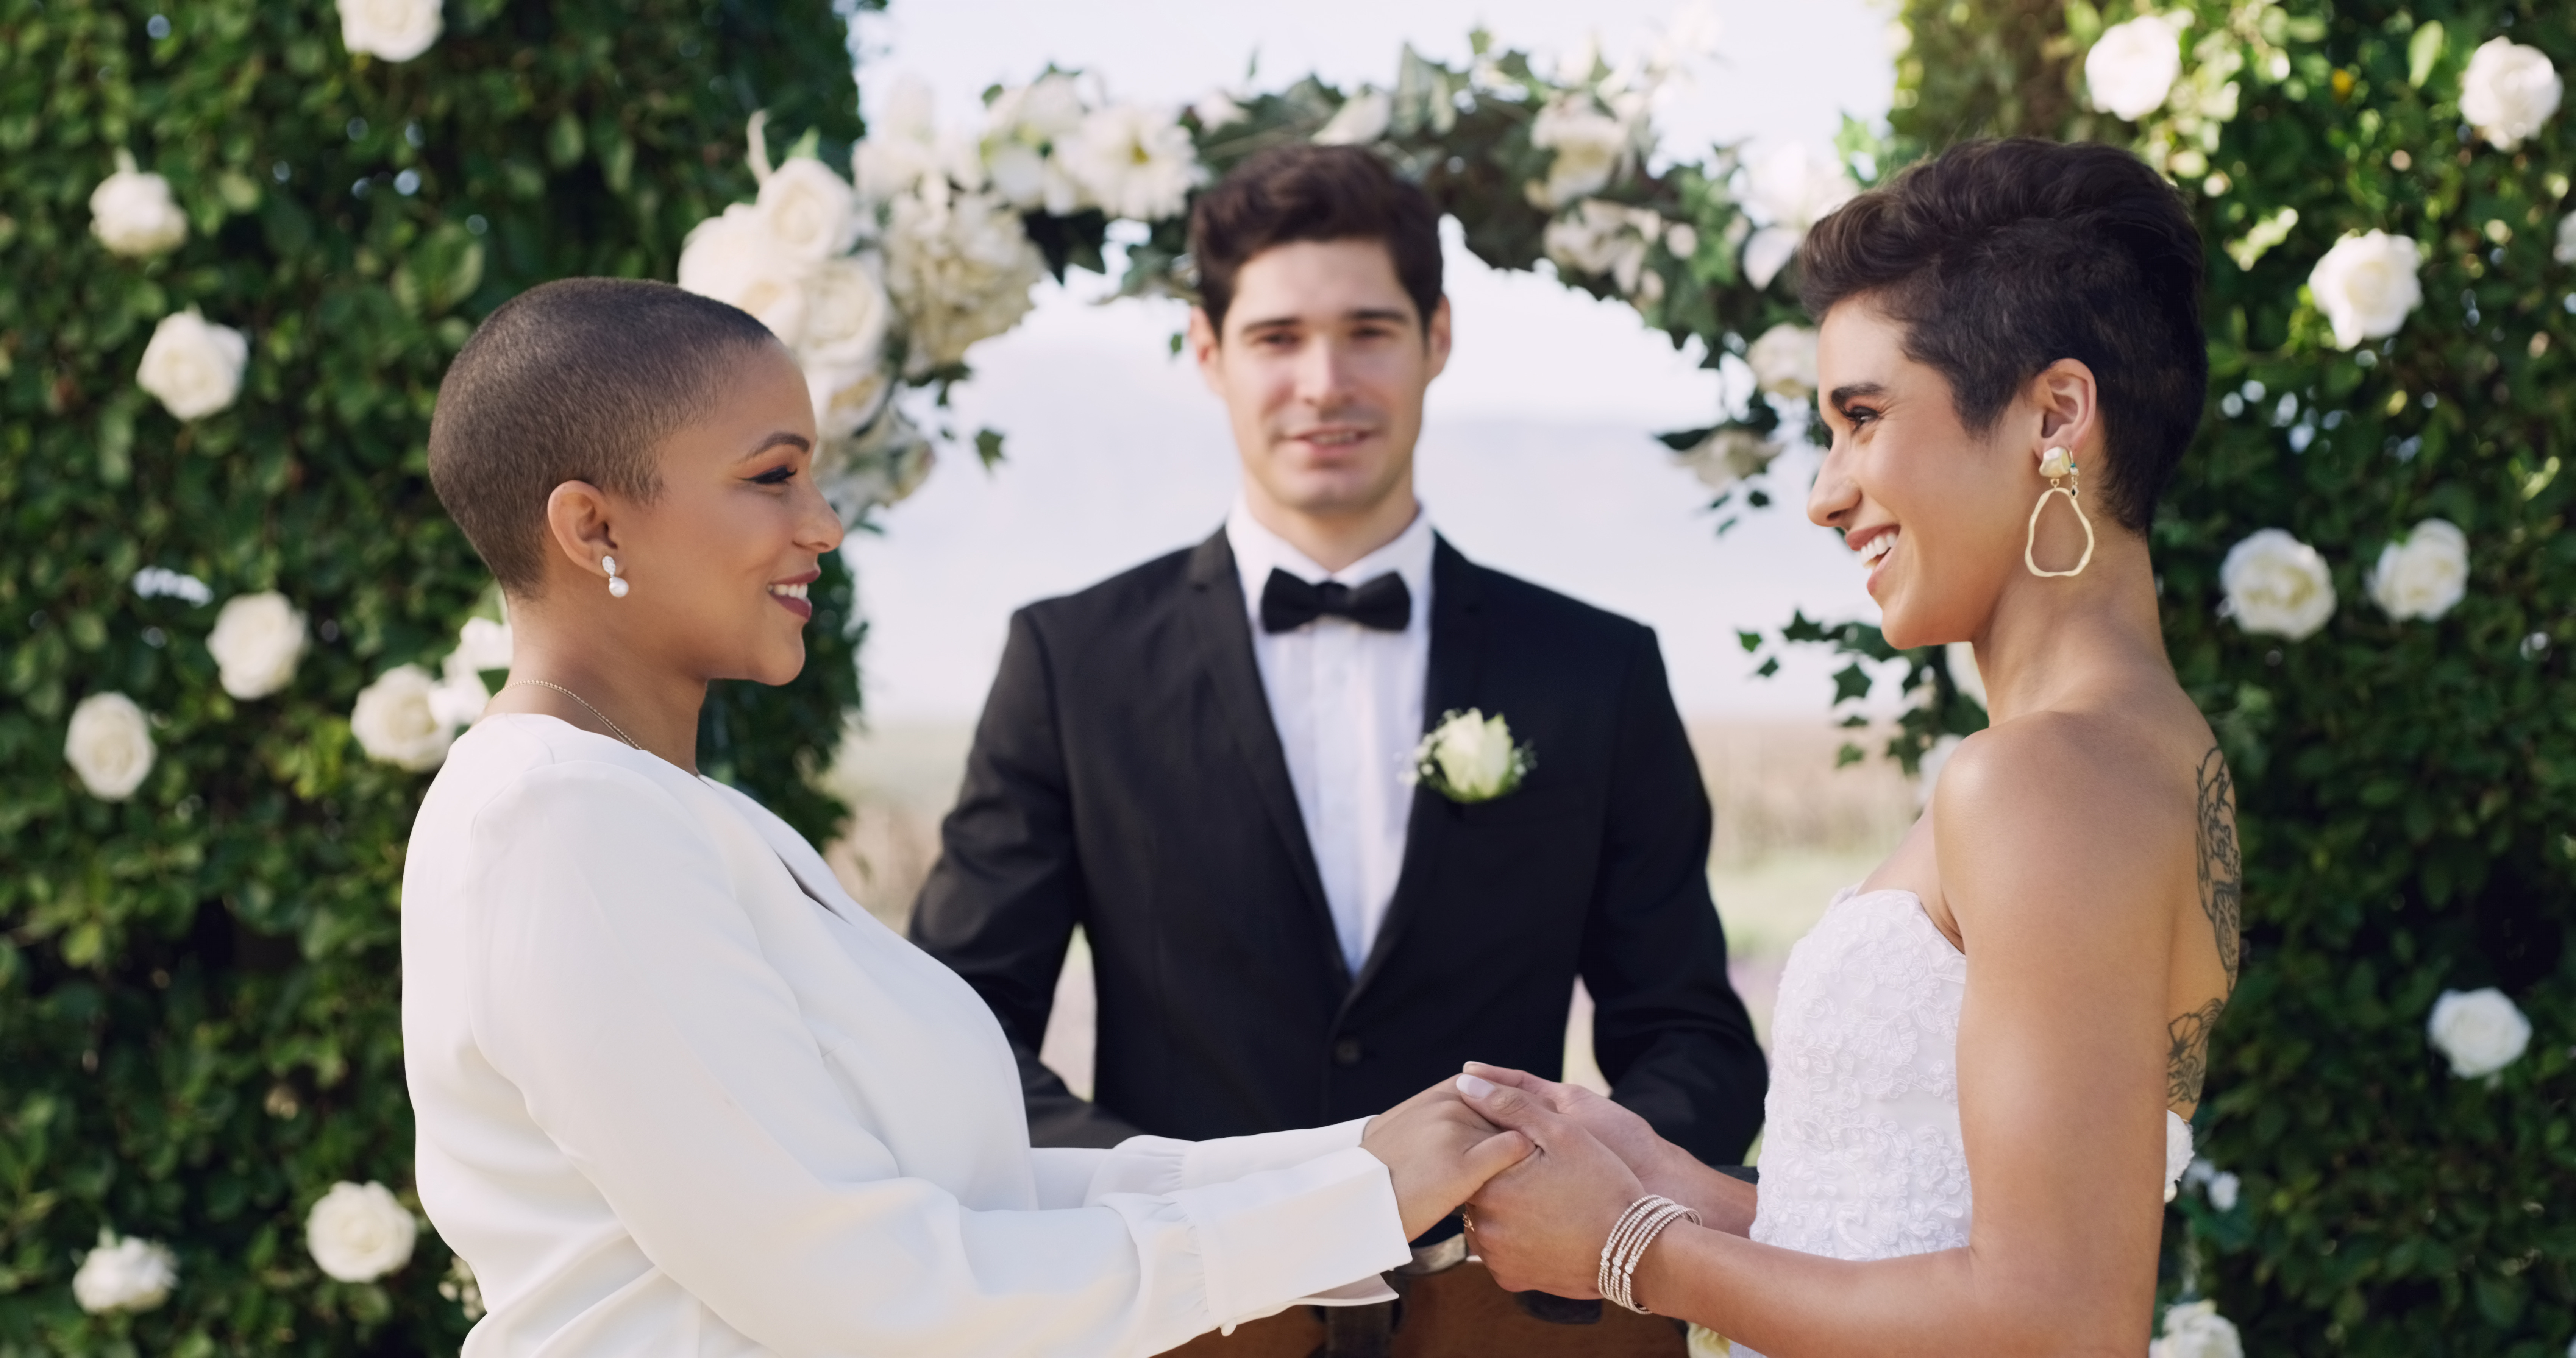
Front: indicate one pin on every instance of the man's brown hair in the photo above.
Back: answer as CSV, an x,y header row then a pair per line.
x,y
1314,193
574,380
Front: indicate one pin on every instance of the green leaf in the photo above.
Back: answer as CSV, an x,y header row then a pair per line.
x,y
988,447
2422,50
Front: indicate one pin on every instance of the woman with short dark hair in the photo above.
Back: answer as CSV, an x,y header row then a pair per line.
x,y
2019,999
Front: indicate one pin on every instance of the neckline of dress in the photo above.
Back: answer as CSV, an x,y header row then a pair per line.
x,y
1855,894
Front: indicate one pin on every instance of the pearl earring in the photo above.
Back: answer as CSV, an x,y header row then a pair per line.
x,y
616,586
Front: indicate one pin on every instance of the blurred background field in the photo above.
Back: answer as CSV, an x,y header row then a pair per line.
x,y
1792,829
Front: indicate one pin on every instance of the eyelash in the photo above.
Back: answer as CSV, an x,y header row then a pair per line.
x,y
775,476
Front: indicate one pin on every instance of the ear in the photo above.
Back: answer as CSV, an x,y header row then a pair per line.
x,y
1204,350
578,521
2068,403
1436,338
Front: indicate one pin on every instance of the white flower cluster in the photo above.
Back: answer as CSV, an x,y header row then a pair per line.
x,y
2195,1329
2222,1189
1602,237
2279,585
1787,190
408,717
2481,1031
358,1233
1729,454
1590,144
124,1275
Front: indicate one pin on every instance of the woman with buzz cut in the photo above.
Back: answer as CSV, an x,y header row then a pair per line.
x,y
676,1092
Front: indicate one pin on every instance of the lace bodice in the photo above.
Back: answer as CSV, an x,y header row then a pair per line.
x,y
1861,1151
1861,1156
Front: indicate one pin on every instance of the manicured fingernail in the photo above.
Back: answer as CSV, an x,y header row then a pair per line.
x,y
1474,1088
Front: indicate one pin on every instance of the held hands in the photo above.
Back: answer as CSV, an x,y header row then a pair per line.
x,y
1662,1166
1438,1151
1541,1224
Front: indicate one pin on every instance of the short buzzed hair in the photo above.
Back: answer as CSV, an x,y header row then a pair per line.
x,y
1314,193
574,380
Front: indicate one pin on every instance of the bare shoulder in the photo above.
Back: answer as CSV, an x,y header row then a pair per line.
x,y
2057,810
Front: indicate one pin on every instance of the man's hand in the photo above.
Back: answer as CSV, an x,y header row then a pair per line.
x,y
1659,1164
1541,1224
1438,1151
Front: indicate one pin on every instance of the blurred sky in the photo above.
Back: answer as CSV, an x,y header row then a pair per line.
x,y
1536,457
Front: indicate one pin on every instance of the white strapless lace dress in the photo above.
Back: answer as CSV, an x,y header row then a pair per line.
x,y
1861,1153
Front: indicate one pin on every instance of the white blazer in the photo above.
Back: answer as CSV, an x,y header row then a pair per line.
x,y
670,1101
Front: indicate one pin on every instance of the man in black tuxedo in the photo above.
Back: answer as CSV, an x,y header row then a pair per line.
x,y
1203,762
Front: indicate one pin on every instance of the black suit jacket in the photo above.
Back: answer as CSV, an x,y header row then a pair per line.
x,y
1127,777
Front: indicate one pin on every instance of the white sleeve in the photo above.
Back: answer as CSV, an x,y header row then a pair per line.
x,y
622,989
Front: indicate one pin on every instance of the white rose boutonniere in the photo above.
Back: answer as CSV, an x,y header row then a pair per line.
x,y
132,213
2366,286
194,369
2195,1329
2424,573
109,746
2508,91
395,723
395,30
2133,66
2480,1030
359,1232
258,639
1470,758
2277,584
124,1275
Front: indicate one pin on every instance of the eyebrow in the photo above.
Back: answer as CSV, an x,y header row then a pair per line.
x,y
1844,394
800,442
1399,316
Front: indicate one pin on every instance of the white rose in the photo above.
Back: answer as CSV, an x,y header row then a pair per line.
x,y
194,369
109,746
2480,1030
1964,672
131,212
813,213
2277,584
2366,286
1729,454
846,314
879,467
482,644
125,1275
1362,118
2424,573
396,30
1135,162
1588,147
1469,757
2195,1329
846,400
1784,361
2133,66
959,270
2564,250
394,723
256,642
2508,91
458,698
1787,190
737,259
359,1233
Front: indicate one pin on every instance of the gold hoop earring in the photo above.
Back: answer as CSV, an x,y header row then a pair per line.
x,y
2058,465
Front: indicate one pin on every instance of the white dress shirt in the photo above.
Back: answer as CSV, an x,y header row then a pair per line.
x,y
1347,701
678,1094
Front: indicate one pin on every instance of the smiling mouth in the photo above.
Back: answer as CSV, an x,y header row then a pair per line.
x,y
1332,438
1876,549
792,598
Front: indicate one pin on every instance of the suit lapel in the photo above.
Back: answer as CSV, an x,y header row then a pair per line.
x,y
1458,632
1223,631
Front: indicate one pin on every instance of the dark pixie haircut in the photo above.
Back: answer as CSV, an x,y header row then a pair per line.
x,y
1317,193
2002,257
574,380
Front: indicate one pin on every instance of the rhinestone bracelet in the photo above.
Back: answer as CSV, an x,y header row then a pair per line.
x,y
1645,1219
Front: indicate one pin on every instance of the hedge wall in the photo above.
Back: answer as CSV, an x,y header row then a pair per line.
x,y
2406,790
198,985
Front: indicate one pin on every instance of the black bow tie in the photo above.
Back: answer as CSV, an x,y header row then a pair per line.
x,y
1288,603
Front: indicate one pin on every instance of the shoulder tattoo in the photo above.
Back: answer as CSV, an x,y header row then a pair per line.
x,y
2222,870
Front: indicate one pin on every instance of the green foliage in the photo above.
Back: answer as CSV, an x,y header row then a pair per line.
x,y
2406,790
198,986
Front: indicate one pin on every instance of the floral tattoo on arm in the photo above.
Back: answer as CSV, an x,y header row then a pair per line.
x,y
2222,899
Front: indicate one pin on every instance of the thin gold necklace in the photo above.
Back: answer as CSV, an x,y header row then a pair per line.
x,y
620,730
